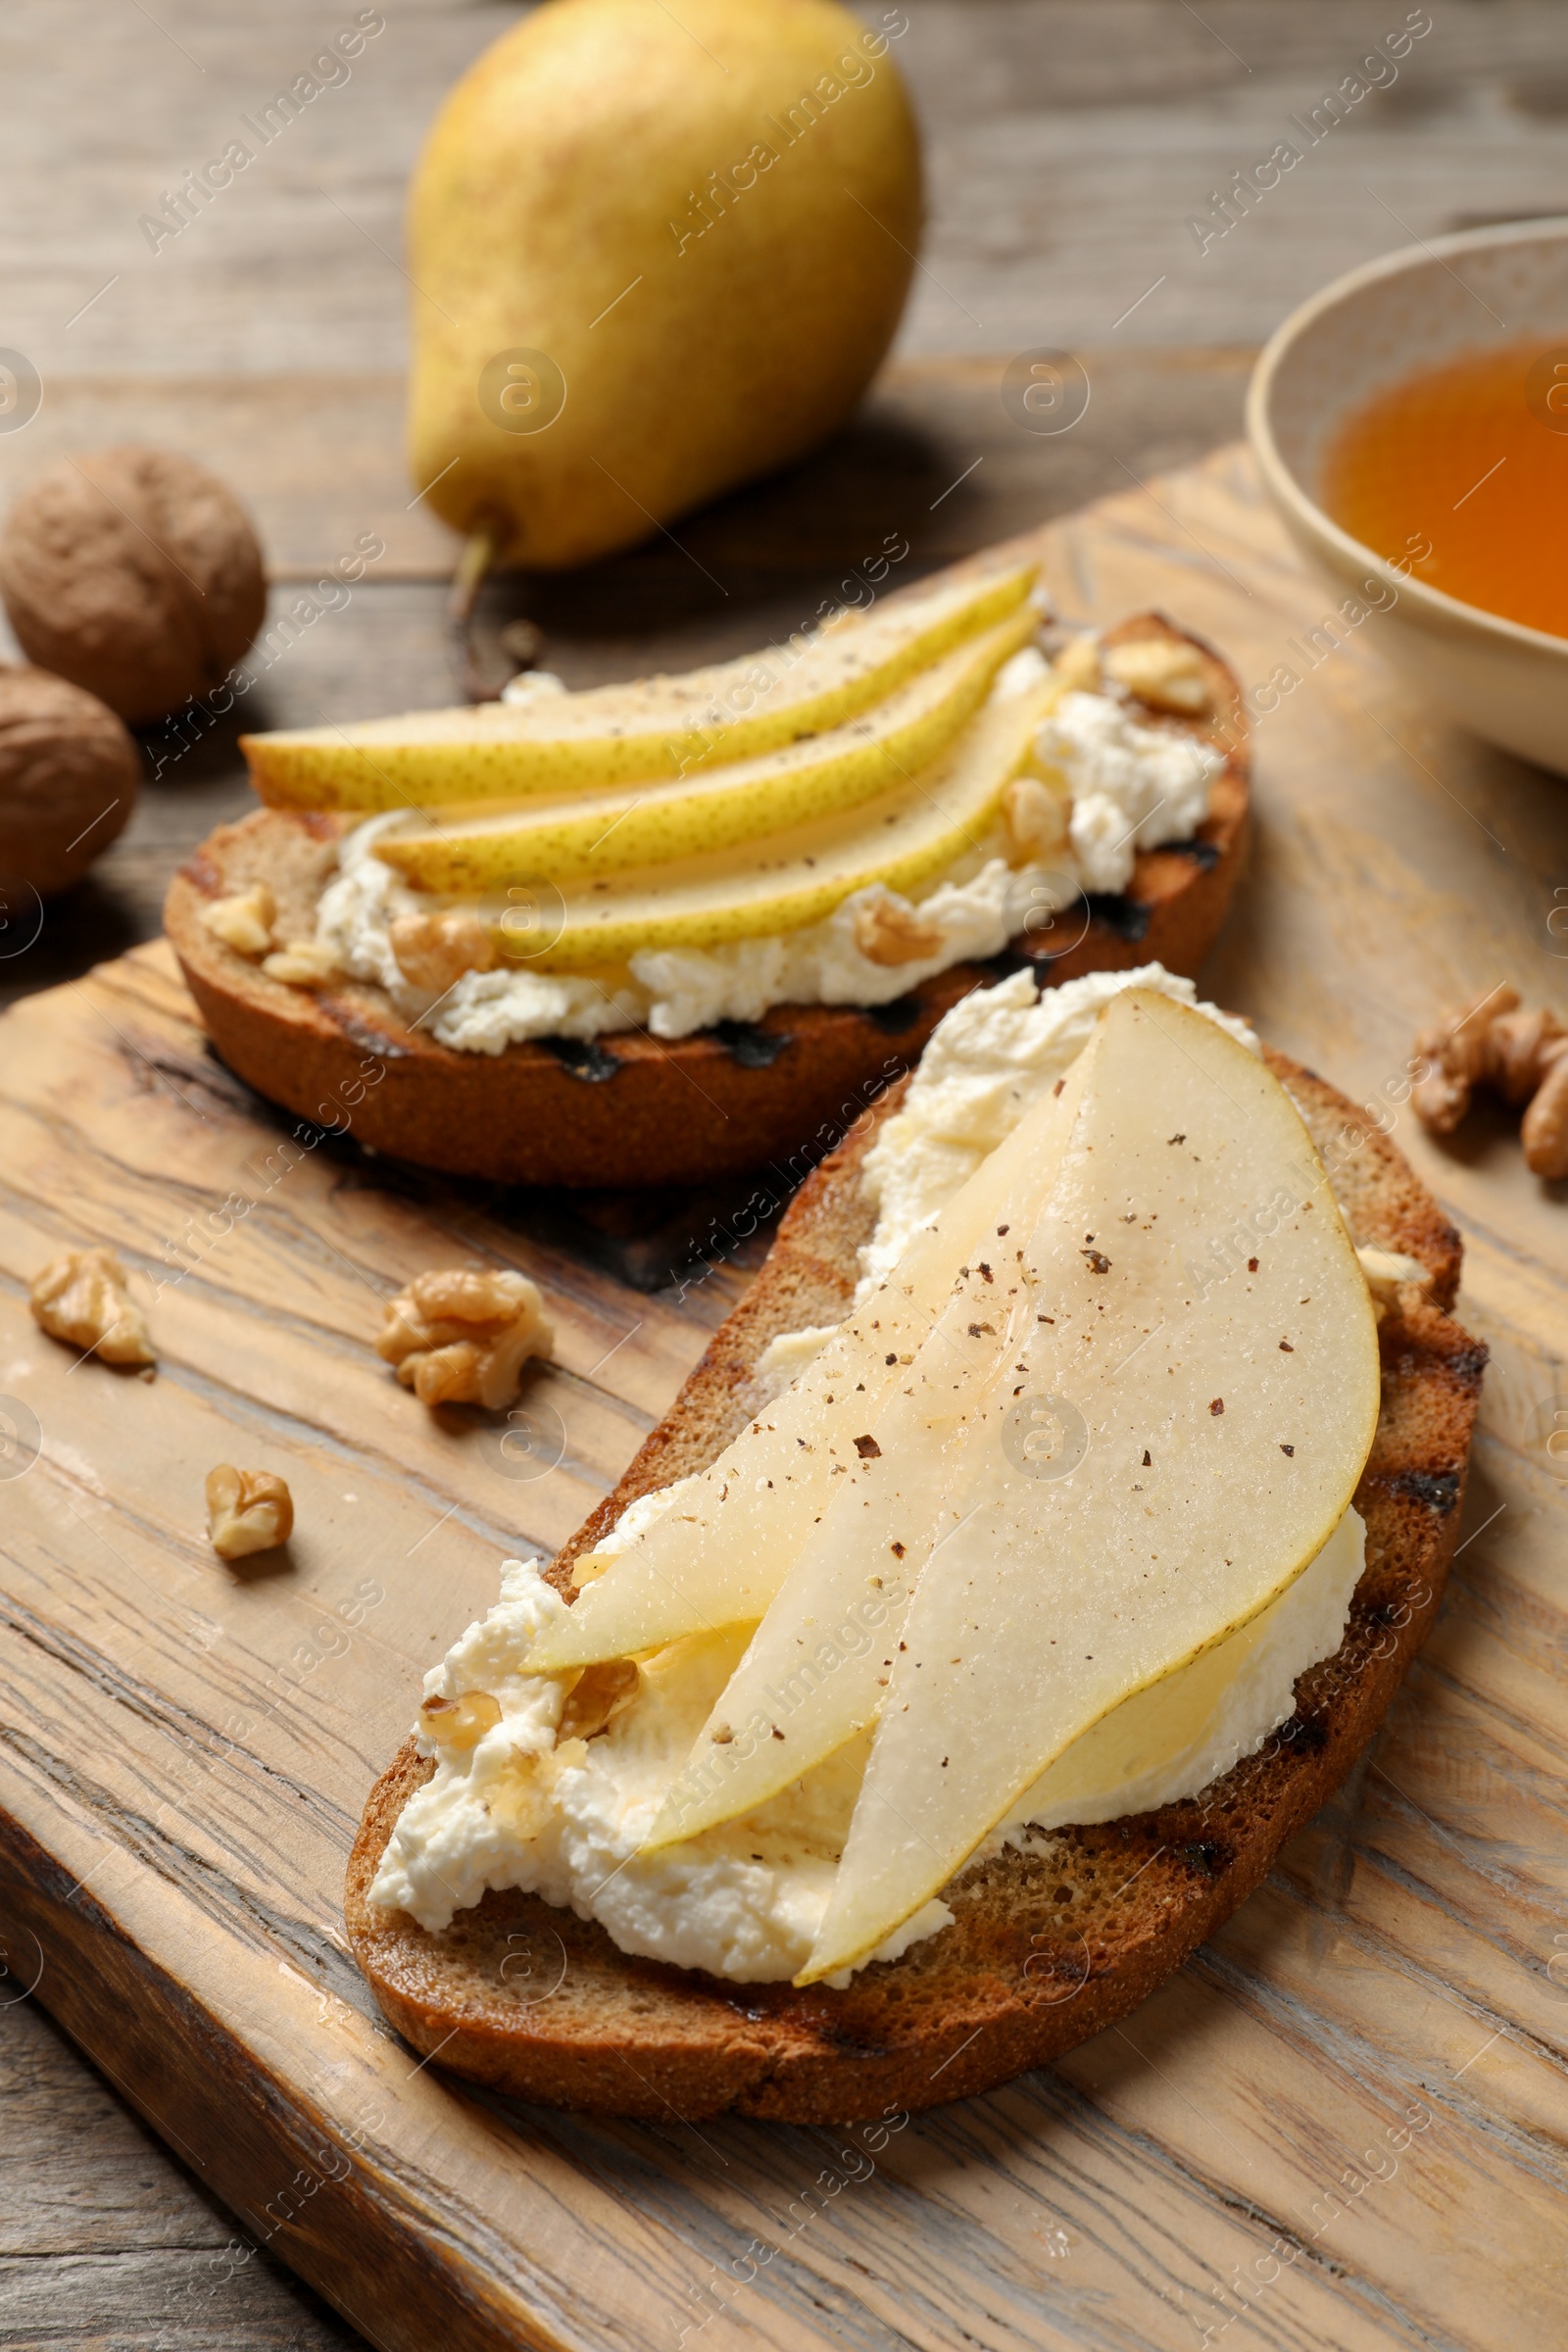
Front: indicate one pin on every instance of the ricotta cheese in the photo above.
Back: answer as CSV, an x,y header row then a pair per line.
x,y
1131,787
670,992
744,1901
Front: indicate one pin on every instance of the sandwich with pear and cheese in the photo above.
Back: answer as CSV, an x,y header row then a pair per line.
x,y
653,933
1032,1553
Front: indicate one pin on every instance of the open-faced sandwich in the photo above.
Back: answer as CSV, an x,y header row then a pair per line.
x,y
652,933
1032,1552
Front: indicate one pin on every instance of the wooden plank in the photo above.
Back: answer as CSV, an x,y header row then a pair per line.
x,y
319,461
1340,2125
1069,140
129,2251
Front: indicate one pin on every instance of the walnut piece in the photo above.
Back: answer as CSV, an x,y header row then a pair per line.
x,y
243,921
598,1696
1388,1272
461,1335
1165,672
434,950
1077,666
1521,1056
302,963
460,1722
1035,817
1543,1131
247,1510
68,778
134,573
888,934
80,1298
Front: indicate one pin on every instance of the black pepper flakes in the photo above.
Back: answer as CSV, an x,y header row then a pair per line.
x,y
1217,1405
869,1450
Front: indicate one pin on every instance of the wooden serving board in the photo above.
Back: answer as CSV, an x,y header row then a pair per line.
x,y
1342,2125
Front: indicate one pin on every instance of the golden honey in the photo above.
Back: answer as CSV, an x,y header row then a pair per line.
x,y
1468,460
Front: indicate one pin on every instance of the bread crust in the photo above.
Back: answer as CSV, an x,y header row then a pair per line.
x,y
637,1110
1050,1945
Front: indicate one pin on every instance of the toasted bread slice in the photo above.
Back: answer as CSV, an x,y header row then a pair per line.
x,y
1047,1946
630,1108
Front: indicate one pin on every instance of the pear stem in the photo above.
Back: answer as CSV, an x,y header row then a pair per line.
x,y
486,537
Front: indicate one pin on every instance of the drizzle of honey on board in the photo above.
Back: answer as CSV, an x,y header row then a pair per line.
x,y
1472,456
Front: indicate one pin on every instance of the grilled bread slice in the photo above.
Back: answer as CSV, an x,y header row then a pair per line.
x,y
1047,1946
631,1108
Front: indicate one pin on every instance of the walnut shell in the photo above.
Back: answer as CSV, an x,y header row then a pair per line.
x,y
68,773
134,573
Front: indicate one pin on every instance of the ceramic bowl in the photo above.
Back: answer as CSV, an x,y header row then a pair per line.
x,y
1363,334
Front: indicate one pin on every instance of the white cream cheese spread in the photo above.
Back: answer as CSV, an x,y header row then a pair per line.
x,y
746,1900
1132,786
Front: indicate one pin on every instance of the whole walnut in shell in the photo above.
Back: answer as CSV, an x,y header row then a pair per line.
x,y
68,773
134,573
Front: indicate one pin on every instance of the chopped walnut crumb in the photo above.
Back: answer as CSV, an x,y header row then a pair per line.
x,y
247,1510
888,934
1077,664
461,1335
434,950
1388,1272
1036,817
80,1298
244,920
302,963
1165,672
460,1722
598,1696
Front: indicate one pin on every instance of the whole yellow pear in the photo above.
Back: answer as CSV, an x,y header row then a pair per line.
x,y
657,251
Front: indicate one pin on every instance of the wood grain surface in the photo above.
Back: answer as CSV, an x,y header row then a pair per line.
x,y
1068,143
1341,2124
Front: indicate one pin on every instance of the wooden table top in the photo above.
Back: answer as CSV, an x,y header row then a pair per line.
x,y
1070,140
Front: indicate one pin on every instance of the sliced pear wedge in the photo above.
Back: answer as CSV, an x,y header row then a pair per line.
x,y
797,877
1162,1736
821,1660
660,726
1164,1457
601,832
723,1556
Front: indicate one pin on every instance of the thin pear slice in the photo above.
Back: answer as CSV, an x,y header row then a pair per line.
x,y
1160,1736
818,1664
603,832
1254,1399
903,839
660,726
723,1556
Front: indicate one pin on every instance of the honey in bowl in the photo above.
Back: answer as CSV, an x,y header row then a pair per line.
x,y
1469,460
